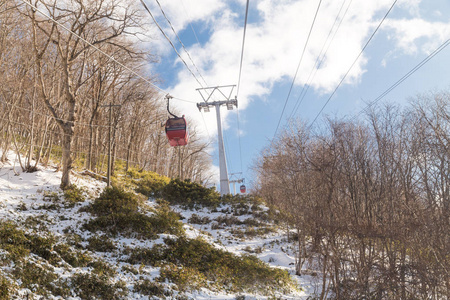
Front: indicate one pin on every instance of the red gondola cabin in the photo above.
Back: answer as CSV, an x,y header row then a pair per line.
x,y
243,189
176,131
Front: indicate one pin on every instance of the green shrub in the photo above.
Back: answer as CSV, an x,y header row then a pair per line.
x,y
134,173
150,183
91,286
137,224
51,196
228,220
13,240
190,194
75,258
101,244
150,288
118,212
184,277
40,279
146,256
130,269
115,200
167,221
210,267
42,246
6,288
196,219
73,195
101,267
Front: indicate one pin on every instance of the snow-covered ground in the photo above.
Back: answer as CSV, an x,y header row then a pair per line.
x,y
26,194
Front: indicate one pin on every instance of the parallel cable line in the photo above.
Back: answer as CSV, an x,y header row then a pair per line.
x,y
170,42
242,51
93,46
398,82
100,51
354,62
298,67
192,28
179,40
239,79
320,58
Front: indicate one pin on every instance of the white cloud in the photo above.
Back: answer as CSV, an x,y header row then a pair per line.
x,y
418,35
276,35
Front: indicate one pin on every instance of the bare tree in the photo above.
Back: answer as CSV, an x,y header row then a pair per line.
x,y
100,23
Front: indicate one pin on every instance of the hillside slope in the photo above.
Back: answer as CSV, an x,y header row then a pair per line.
x,y
57,245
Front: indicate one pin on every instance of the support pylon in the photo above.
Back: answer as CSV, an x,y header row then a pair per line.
x,y
206,94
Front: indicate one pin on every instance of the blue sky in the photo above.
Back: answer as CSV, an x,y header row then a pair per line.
x,y
277,32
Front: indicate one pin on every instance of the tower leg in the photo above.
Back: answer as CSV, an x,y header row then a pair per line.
x,y
224,182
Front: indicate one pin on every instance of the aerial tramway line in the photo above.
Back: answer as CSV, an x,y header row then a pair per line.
x,y
176,127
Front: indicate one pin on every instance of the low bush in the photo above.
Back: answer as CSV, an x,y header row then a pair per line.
x,y
101,268
118,212
51,196
42,246
212,267
190,194
13,240
75,258
150,288
19,244
6,288
228,220
149,183
115,200
73,195
40,280
196,219
92,286
186,278
101,244
147,256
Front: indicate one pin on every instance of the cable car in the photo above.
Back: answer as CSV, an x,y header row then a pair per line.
x,y
176,129
243,188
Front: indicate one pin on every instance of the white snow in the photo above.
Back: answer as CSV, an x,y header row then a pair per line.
x,y
22,194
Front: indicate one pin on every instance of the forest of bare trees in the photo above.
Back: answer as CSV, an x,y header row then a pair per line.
x,y
369,200
58,81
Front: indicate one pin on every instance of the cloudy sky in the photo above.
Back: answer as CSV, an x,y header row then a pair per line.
x,y
277,44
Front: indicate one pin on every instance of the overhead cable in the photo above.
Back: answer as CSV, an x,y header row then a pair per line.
x,y
412,71
190,24
242,51
179,40
298,67
354,62
170,42
320,58
239,79
93,46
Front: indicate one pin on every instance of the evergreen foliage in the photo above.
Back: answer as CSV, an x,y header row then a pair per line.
x,y
119,211
194,263
148,183
190,194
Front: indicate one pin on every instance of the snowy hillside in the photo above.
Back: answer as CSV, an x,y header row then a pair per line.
x,y
52,246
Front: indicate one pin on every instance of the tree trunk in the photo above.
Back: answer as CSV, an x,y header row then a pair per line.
x,y
66,155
